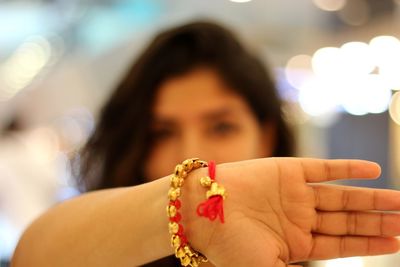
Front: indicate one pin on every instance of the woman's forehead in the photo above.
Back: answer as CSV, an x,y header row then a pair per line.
x,y
200,91
200,83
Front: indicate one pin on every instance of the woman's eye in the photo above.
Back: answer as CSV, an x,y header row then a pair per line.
x,y
223,128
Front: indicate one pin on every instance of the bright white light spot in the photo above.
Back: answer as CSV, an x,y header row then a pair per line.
x,y
298,70
357,76
356,58
353,98
385,50
390,74
316,98
326,61
377,96
384,42
386,53
365,94
394,109
345,262
330,5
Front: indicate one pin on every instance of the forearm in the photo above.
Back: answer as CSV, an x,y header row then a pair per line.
x,y
271,211
117,227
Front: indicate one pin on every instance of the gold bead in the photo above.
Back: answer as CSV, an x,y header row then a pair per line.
x,y
199,164
189,251
176,181
188,164
194,262
196,164
171,211
216,190
174,193
180,171
205,181
175,241
185,261
173,227
180,253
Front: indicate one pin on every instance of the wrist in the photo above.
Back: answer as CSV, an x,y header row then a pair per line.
x,y
197,229
179,241
200,230
191,234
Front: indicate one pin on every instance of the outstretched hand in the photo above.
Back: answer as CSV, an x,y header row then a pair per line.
x,y
278,212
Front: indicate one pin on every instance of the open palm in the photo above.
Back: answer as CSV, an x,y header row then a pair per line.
x,y
277,212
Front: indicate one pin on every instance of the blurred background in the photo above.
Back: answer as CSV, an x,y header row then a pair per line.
x,y
336,64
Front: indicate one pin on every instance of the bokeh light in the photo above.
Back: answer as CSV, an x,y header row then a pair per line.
x,y
298,70
356,58
24,65
357,78
355,12
316,98
326,62
365,95
394,109
330,5
386,53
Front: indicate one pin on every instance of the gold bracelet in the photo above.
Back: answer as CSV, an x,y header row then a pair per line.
x,y
183,251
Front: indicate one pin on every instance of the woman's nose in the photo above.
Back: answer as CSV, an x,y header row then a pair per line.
x,y
194,145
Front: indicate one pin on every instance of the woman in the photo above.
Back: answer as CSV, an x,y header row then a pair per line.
x,y
205,65
195,92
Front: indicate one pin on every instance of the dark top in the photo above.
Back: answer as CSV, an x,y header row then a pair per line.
x,y
169,261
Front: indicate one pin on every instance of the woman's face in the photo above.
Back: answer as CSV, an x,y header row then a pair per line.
x,y
197,115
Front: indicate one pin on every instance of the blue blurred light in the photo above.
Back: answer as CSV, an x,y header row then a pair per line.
x,y
106,26
17,22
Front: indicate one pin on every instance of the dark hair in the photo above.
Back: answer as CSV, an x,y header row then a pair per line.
x,y
115,154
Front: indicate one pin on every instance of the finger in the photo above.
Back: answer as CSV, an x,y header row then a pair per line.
x,y
281,263
328,247
338,198
320,170
357,223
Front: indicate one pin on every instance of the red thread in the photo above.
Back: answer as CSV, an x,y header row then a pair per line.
x,y
184,240
211,169
176,203
177,218
180,230
213,206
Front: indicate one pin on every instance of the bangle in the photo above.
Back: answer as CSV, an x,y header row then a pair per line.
x,y
183,251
